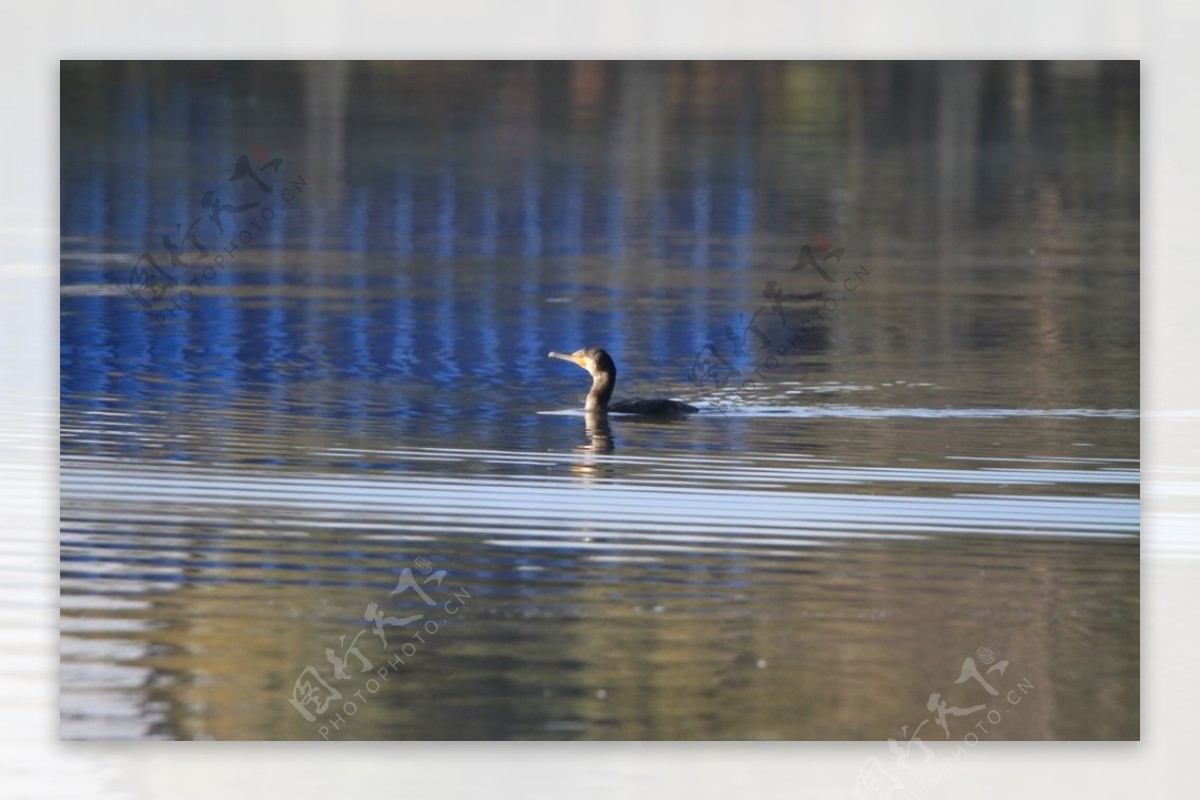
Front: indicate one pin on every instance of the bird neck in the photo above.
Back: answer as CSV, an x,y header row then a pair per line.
x,y
602,390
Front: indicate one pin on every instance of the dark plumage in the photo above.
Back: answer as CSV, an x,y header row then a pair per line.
x,y
604,378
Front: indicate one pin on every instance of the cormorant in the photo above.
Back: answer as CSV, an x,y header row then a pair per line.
x,y
604,377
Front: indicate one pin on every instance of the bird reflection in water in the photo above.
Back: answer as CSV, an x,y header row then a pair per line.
x,y
599,443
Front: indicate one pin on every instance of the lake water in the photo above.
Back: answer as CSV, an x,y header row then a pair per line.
x,y
349,436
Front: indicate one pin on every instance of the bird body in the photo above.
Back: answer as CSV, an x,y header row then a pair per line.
x,y
604,378
655,407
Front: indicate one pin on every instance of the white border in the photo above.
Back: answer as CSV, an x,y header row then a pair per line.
x,y
36,35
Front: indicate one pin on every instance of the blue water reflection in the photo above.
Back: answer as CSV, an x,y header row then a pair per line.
x,y
441,272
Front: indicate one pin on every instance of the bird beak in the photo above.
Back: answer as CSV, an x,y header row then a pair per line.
x,y
568,357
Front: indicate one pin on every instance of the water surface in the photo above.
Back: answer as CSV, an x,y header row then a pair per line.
x,y
932,458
